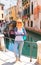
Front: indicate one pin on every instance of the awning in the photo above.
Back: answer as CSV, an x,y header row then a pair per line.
x,y
24,17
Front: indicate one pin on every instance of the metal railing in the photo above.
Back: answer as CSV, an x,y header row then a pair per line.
x,y
29,48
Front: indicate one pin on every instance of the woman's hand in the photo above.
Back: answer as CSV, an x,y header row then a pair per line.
x,y
15,32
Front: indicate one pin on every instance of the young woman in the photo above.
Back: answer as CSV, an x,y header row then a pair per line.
x,y
19,42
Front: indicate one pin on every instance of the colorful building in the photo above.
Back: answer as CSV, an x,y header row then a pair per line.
x,y
11,13
32,12
1,12
19,8
35,17
26,11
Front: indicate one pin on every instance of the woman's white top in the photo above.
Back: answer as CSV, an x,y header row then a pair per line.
x,y
19,38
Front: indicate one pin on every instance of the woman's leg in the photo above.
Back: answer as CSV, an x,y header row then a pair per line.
x,y
16,50
20,47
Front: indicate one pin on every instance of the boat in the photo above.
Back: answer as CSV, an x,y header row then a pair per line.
x,y
9,30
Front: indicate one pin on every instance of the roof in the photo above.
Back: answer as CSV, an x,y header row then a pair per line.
x,y
2,4
11,7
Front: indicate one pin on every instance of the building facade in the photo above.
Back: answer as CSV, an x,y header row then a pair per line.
x,y
26,11
11,13
35,16
1,12
32,13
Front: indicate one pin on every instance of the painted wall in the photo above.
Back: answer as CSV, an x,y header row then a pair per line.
x,y
1,12
11,12
36,16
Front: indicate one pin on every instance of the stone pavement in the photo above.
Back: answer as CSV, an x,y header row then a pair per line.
x,y
8,58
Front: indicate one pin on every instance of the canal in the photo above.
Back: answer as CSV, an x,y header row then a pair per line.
x,y
30,46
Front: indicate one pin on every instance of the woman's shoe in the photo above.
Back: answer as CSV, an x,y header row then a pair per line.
x,y
18,59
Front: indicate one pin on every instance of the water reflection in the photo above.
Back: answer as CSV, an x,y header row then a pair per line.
x,y
33,37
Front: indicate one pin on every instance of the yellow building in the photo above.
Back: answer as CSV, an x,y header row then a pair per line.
x,y
1,12
11,13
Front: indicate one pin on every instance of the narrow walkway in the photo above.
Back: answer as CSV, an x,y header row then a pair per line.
x,y
8,58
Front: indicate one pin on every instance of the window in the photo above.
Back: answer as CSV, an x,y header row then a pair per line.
x,y
40,24
28,11
31,23
10,12
25,11
28,23
2,8
2,15
32,7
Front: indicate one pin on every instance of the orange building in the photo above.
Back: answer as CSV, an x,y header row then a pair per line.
x,y
37,9
11,13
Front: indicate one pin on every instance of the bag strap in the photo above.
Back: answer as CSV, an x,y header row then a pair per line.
x,y
24,31
15,29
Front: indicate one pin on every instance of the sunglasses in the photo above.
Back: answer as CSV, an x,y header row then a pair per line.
x,y
19,22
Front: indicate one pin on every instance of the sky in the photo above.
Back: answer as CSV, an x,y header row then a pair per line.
x,y
8,2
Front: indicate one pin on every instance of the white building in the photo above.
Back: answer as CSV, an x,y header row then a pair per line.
x,y
19,8
35,14
1,12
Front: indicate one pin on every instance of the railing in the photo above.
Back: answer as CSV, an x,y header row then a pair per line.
x,y
29,48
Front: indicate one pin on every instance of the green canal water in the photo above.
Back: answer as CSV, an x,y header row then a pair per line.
x,y
30,46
